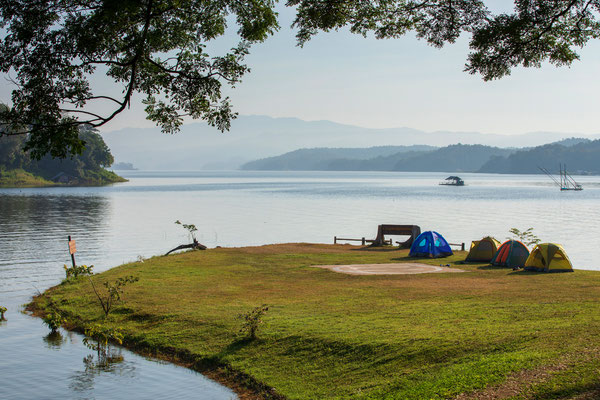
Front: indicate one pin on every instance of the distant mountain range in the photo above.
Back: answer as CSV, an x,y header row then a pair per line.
x,y
199,146
453,158
581,155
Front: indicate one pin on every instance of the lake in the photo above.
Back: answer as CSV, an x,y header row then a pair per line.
x,y
135,220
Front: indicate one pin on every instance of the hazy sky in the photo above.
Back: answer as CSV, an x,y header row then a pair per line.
x,y
392,83
405,83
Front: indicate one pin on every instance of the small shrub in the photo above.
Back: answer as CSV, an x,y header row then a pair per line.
x,y
54,320
78,270
252,320
2,311
113,292
527,237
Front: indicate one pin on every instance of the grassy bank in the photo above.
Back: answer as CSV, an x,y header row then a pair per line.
x,y
19,178
485,332
98,178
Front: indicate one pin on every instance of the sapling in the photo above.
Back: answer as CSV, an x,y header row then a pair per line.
x,y
2,311
191,228
113,292
252,320
527,237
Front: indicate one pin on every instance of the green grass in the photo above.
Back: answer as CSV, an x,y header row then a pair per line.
x,y
331,335
99,177
21,178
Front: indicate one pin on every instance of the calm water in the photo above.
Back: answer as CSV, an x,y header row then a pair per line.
x,y
119,223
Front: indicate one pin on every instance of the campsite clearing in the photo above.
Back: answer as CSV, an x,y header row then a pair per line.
x,y
332,335
388,269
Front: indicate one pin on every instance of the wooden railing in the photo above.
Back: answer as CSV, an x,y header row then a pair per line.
x,y
362,240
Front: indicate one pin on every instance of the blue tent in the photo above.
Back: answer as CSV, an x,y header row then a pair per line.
x,y
430,244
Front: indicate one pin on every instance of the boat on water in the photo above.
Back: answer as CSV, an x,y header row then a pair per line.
x,y
565,180
452,181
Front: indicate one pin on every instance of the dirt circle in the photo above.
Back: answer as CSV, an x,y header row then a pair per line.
x,y
388,269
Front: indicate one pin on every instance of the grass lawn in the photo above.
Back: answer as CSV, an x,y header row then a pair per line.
x,y
484,333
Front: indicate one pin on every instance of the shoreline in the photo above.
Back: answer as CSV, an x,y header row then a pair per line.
x,y
21,179
214,350
244,386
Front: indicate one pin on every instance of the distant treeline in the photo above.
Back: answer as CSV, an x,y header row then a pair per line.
x,y
581,155
86,168
326,159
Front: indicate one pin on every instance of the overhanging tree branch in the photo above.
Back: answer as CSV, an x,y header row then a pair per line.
x,y
53,47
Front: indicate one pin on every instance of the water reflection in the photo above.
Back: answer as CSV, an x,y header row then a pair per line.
x,y
33,236
54,340
109,362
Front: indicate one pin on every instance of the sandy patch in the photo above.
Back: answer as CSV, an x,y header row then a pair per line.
x,y
388,269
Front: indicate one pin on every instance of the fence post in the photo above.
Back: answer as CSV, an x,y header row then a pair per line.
x,y
363,241
335,240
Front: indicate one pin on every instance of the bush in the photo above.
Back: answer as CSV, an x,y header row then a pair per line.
x,y
2,311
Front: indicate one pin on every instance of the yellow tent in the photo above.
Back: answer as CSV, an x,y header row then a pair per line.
x,y
483,250
548,257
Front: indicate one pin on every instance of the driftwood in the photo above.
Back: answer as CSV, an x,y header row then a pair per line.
x,y
195,246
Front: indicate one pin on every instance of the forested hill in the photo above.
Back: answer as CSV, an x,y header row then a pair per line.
x,y
17,169
325,159
583,157
454,158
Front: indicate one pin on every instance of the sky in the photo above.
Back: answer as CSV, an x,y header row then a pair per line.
x,y
403,82
406,83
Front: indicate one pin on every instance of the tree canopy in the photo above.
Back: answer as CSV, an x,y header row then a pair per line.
x,y
157,48
93,158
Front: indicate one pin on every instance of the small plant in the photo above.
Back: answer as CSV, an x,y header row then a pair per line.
x,y
141,259
78,270
113,292
97,337
527,237
2,311
54,320
252,320
191,228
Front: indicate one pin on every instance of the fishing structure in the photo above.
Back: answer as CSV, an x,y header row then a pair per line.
x,y
565,180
